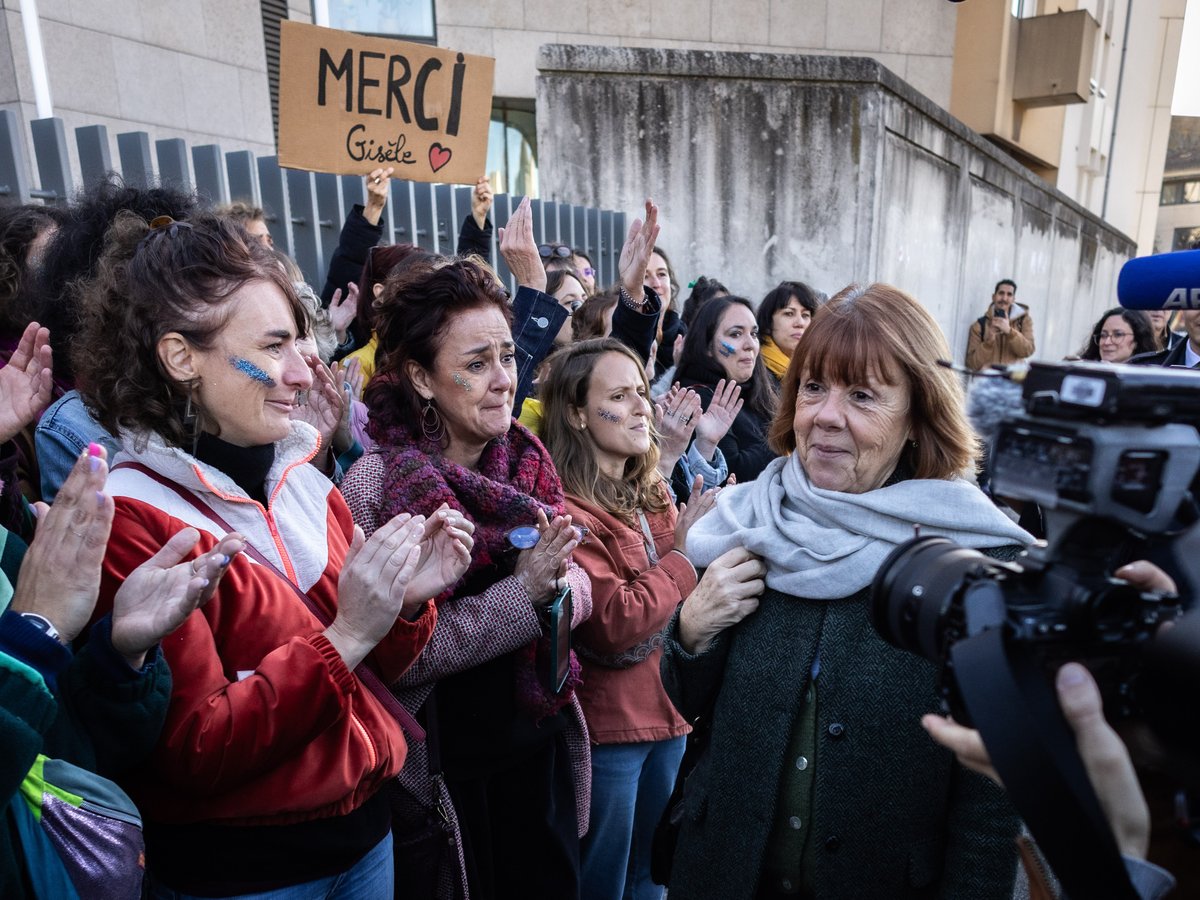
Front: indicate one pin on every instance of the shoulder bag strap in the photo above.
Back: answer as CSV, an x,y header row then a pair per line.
x,y
370,680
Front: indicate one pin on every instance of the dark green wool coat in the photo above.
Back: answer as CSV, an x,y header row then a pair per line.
x,y
894,816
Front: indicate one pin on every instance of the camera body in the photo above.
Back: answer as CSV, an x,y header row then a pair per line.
x,y
1112,456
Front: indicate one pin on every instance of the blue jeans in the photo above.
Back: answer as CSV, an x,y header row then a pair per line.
x,y
371,878
631,784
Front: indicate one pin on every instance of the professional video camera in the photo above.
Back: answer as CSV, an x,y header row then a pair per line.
x,y
1112,456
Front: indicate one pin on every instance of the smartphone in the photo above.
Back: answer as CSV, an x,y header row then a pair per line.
x,y
1001,314
560,640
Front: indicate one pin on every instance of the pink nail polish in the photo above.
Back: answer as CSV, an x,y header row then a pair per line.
x,y
95,449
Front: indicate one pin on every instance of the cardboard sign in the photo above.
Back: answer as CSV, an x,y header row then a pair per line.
x,y
349,104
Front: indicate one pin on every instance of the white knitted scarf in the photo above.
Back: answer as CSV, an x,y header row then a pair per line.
x,y
824,545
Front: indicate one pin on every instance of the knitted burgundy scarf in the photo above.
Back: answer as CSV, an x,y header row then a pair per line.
x,y
515,479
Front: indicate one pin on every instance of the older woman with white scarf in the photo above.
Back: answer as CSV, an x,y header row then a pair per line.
x,y
817,779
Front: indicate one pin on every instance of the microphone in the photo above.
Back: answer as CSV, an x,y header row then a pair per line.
x,y
1162,281
993,397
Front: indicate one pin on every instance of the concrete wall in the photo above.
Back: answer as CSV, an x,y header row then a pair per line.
x,y
825,169
194,69
914,38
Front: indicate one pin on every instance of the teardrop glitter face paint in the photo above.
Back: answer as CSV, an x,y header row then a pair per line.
x,y
251,371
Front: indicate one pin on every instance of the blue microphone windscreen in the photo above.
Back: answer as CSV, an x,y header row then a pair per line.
x,y
1162,281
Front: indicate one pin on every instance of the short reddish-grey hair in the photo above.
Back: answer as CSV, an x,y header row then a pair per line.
x,y
881,331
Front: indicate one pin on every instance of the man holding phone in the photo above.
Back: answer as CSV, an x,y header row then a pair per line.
x,y
1004,334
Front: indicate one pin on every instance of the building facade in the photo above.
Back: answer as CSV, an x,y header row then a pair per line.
x,y
1077,90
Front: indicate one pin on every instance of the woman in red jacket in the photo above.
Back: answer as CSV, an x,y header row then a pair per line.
x,y
266,775
598,428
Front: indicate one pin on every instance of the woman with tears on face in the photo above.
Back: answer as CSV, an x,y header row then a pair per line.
x,y
279,734
511,771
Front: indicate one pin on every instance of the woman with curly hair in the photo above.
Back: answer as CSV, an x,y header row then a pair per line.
x,y
279,734
1118,335
508,766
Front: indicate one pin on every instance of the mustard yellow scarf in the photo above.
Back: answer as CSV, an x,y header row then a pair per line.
x,y
775,359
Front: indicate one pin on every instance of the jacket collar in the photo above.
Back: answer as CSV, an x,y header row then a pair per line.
x,y
148,448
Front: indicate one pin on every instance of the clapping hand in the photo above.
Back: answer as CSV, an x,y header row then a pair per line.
x,y
373,585
675,418
323,407
718,418
159,594
446,546
342,311
635,254
698,503
25,381
519,249
60,575
540,568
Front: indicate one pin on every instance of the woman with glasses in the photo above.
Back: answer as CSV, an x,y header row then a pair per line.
x,y
1118,335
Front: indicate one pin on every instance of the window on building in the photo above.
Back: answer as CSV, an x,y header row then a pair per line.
x,y
512,148
1184,238
1174,192
410,20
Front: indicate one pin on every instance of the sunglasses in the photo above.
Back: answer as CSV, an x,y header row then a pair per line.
x,y
587,271
562,251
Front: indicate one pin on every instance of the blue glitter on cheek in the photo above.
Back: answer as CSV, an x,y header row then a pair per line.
x,y
727,349
608,416
251,371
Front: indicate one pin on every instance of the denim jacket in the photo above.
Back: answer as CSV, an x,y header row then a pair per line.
x,y
62,434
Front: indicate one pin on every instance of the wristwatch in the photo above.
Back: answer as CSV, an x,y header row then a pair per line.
x,y
42,624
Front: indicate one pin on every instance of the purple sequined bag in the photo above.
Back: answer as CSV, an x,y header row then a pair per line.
x,y
81,835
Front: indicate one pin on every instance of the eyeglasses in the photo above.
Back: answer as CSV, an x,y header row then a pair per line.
x,y
1111,336
587,271
562,251
572,306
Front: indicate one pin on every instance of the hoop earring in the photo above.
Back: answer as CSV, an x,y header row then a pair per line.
x,y
431,421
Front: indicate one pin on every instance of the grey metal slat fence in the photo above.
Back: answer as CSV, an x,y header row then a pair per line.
x,y
304,210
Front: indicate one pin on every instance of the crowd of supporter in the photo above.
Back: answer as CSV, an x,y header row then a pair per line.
x,y
289,573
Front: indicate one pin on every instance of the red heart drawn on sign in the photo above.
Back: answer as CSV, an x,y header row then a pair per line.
x,y
438,156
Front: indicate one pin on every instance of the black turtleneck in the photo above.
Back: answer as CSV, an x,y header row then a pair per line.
x,y
247,466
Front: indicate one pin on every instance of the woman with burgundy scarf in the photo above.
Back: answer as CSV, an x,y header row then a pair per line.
x,y
506,764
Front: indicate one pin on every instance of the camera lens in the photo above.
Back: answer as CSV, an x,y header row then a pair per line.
x,y
914,591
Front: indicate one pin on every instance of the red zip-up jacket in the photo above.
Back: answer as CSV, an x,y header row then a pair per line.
x,y
266,724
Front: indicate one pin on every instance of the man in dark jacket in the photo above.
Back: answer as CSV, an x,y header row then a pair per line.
x,y
1185,353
